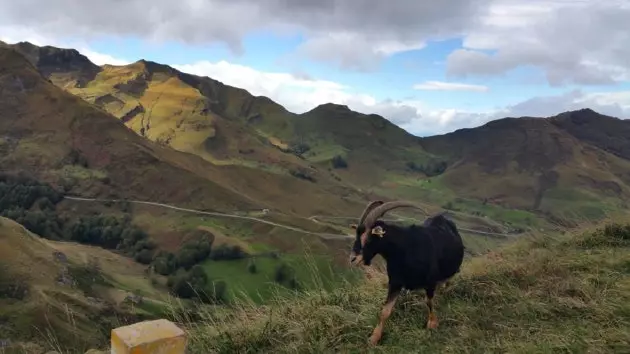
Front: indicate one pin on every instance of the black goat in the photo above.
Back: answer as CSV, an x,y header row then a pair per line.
x,y
417,257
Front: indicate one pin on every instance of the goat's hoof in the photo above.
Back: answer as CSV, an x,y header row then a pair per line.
x,y
374,339
432,324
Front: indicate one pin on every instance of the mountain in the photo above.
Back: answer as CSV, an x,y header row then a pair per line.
x,y
44,128
572,163
223,124
576,161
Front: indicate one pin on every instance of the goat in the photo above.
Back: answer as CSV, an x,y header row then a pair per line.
x,y
417,257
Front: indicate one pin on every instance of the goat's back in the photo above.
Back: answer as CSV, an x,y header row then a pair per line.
x,y
448,245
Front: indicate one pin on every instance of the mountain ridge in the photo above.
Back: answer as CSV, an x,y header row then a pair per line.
x,y
227,126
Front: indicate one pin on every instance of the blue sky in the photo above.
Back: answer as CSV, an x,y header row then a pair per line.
x,y
471,61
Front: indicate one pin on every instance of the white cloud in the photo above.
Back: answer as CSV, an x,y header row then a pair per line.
x,y
449,86
16,34
441,121
573,41
355,34
101,59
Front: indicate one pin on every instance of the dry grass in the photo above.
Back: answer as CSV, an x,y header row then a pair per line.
x,y
566,293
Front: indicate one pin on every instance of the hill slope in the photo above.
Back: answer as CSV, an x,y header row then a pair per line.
x,y
568,293
549,164
56,295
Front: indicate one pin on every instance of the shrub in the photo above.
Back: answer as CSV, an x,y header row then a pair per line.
x,y
339,162
302,174
226,253
251,267
430,169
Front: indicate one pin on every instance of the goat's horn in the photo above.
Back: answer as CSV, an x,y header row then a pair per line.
x,y
379,211
368,209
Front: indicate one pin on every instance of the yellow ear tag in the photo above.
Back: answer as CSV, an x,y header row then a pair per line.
x,y
378,231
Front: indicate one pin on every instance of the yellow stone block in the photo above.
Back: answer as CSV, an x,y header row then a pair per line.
x,y
149,337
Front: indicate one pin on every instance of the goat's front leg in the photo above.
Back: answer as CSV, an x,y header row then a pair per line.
x,y
392,295
432,323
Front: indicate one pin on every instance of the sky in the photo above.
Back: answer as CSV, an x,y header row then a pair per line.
x,y
430,67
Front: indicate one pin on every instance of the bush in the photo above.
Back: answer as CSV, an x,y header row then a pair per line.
x,y
251,267
111,233
196,284
302,174
430,169
193,252
283,273
299,149
339,162
165,263
226,253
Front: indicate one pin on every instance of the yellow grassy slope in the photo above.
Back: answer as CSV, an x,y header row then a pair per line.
x,y
154,102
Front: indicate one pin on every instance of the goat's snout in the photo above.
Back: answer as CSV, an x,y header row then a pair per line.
x,y
355,258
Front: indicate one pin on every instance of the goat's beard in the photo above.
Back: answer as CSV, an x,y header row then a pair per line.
x,y
367,257
358,260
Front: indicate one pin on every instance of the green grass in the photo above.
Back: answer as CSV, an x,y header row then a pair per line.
x,y
433,191
514,217
576,204
311,272
544,294
323,150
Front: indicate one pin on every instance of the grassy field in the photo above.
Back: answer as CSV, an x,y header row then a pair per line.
x,y
259,286
542,294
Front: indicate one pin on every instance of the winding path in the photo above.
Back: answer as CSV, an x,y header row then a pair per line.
x,y
212,213
313,218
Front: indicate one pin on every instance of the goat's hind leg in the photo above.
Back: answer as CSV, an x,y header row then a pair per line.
x,y
392,295
432,322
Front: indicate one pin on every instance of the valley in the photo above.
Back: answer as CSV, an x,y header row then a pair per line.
x,y
139,191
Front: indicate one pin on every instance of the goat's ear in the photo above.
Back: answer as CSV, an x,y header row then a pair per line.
x,y
354,226
378,231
